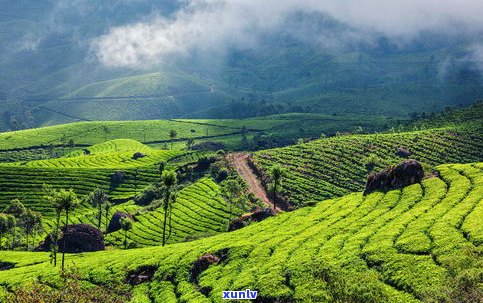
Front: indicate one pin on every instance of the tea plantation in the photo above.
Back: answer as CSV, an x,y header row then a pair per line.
x,y
36,142
336,166
110,166
421,243
199,211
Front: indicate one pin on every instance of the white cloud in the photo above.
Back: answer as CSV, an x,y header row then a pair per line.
x,y
215,25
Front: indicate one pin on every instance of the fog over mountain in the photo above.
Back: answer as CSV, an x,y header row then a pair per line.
x,y
214,26
78,60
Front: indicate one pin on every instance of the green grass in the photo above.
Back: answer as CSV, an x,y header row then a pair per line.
x,y
336,166
156,132
90,133
399,246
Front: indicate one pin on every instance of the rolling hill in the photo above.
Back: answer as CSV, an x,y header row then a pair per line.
x,y
39,143
417,244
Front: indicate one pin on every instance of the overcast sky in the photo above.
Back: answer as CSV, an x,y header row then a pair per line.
x,y
214,25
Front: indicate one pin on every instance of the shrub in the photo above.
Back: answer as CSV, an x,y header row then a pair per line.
x,y
138,155
148,195
118,177
204,162
403,152
115,224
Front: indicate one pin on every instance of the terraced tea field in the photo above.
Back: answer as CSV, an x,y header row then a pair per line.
x,y
199,211
112,154
83,173
336,166
408,245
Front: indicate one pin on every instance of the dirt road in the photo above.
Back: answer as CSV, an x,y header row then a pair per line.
x,y
239,160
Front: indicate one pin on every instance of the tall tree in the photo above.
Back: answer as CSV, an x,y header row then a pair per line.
x,y
63,201
107,208
7,223
98,198
3,227
172,136
189,143
12,224
233,191
168,180
69,203
161,166
56,233
106,130
126,225
31,221
276,175
15,208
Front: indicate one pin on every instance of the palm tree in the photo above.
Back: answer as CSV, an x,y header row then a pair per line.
x,y
276,174
172,136
61,200
69,202
98,198
126,225
169,180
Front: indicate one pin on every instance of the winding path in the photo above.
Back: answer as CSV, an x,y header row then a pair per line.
x,y
240,161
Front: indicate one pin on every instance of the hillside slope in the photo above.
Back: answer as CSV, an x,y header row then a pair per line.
x,y
336,166
287,128
408,245
199,211
110,167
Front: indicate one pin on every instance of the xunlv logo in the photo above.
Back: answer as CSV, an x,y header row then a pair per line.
x,y
240,295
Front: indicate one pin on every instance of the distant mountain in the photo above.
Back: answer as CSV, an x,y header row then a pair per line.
x,y
50,75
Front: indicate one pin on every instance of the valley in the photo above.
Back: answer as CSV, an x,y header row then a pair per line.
x,y
275,151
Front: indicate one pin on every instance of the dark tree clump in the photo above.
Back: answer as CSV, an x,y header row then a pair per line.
x,y
404,174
